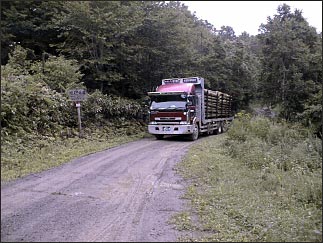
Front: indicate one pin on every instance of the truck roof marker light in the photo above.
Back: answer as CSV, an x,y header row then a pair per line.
x,y
194,80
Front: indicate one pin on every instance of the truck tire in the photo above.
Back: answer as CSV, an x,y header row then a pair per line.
x,y
220,128
194,136
159,136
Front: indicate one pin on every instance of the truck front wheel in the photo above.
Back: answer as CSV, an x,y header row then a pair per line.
x,y
195,133
219,129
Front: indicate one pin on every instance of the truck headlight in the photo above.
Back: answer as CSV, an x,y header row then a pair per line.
x,y
183,123
153,123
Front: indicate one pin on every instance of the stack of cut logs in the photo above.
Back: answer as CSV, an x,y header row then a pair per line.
x,y
217,104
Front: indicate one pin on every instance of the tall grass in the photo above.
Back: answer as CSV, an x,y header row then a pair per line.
x,y
261,181
289,152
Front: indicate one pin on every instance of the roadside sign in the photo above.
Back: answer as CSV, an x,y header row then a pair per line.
x,y
77,94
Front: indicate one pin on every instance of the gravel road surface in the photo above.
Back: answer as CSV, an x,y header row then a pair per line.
x,y
126,193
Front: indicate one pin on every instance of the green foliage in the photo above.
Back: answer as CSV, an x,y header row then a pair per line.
x,y
29,25
242,70
31,102
261,143
28,103
264,187
128,47
312,114
61,74
291,63
100,107
31,106
18,61
95,34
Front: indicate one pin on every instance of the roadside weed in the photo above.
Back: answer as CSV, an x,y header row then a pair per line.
x,y
263,183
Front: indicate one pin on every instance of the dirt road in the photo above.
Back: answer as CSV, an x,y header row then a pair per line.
x,y
125,193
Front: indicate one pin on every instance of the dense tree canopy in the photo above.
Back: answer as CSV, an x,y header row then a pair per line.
x,y
290,68
125,48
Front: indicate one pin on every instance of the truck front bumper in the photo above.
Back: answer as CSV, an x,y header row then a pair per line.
x,y
170,129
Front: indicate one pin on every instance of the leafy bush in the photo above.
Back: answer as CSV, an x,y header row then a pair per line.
x,y
260,128
28,103
242,127
34,98
99,107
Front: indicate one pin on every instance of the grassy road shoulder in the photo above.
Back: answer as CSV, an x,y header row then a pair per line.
x,y
244,186
32,154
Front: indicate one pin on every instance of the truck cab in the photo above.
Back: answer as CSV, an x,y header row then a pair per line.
x,y
174,108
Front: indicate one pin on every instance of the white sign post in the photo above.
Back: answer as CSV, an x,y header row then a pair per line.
x,y
78,107
78,95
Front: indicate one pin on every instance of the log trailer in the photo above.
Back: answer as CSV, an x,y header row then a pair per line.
x,y
182,106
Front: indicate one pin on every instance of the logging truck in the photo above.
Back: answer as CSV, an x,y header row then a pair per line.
x,y
182,106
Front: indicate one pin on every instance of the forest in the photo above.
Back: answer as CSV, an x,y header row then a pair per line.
x,y
120,50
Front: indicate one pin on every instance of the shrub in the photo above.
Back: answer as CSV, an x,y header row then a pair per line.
x,y
99,107
260,127
29,104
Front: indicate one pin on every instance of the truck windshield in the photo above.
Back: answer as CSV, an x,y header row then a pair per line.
x,y
171,102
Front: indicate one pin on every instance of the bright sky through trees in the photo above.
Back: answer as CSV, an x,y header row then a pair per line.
x,y
248,15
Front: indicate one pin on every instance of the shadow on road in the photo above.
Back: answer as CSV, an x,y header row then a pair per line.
x,y
180,138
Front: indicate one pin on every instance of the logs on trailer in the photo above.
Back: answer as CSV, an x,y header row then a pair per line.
x,y
217,104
